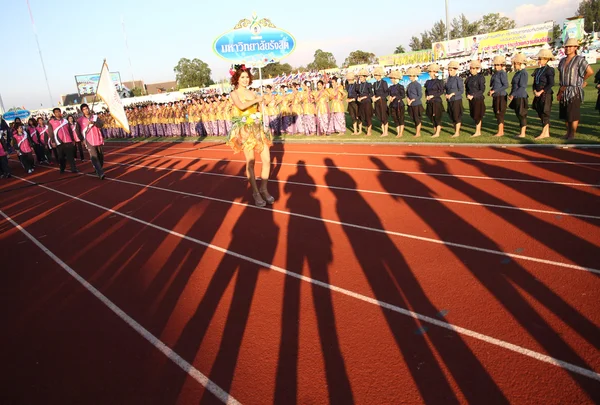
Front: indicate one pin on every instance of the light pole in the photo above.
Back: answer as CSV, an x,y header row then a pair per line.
x,y
447,23
40,52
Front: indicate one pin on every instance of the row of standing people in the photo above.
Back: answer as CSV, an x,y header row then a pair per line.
x,y
58,140
384,101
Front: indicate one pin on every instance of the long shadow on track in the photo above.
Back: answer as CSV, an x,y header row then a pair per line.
x,y
392,281
254,235
502,281
308,241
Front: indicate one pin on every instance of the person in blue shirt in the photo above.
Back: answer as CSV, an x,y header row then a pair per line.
x,y
454,92
518,93
434,88
475,88
543,80
414,93
396,99
498,87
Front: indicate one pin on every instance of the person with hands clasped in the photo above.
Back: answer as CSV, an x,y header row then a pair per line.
x,y
475,88
543,80
498,87
518,93
414,93
455,89
247,133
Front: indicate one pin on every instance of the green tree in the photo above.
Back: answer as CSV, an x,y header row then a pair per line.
x,y
359,58
493,22
461,27
437,32
276,69
192,73
557,33
136,91
323,60
414,43
400,49
590,11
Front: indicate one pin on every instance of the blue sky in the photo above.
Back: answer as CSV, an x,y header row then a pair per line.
x,y
75,36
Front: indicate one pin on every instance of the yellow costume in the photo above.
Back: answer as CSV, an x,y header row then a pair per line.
x,y
247,132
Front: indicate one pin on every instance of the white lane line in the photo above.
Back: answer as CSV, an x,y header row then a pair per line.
x,y
467,332
346,224
403,156
163,348
508,207
463,176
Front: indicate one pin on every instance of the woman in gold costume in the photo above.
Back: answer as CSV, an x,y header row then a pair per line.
x,y
247,133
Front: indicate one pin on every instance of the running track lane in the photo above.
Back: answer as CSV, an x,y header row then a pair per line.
x,y
553,236
530,190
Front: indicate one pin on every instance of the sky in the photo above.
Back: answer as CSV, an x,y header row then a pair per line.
x,y
76,36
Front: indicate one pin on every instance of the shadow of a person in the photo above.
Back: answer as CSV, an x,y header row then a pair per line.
x,y
308,242
501,282
393,281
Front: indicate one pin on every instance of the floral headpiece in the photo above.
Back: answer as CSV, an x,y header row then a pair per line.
x,y
236,68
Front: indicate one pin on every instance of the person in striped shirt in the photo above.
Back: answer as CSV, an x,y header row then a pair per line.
x,y
574,71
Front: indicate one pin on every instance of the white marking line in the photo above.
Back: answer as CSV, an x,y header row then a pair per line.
x,y
463,176
508,207
174,357
347,224
403,156
467,332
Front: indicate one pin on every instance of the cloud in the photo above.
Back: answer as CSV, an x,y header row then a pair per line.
x,y
556,10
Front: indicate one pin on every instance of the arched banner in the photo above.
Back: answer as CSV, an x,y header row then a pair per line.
x,y
12,115
255,42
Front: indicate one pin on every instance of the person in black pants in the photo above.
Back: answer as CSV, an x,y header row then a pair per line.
x,y
381,92
62,138
365,105
396,97
351,87
434,88
543,80
475,88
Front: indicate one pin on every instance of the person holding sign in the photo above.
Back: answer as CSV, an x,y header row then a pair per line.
x,y
247,133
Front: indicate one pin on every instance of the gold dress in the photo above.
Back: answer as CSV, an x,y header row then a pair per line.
x,y
247,131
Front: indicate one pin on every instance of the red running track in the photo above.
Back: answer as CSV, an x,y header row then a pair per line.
x,y
382,274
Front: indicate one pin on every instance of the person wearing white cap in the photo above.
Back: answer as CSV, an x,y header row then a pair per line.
x,y
543,80
518,93
574,71
498,86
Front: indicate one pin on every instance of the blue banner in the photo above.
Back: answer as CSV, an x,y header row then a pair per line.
x,y
12,115
255,43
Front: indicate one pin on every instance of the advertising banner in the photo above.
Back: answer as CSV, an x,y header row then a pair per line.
x,y
255,43
530,35
87,84
502,41
573,29
407,58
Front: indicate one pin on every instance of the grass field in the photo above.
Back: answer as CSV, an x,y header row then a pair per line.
x,y
588,132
